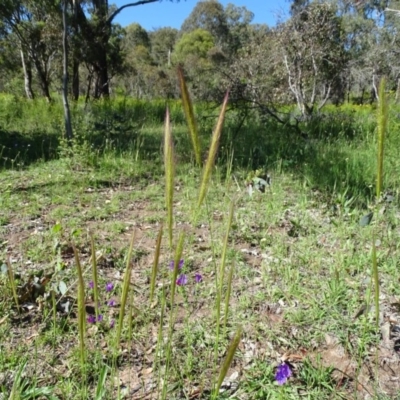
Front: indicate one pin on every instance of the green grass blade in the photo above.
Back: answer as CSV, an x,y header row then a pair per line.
x,y
160,336
212,153
95,278
169,174
382,124
189,114
178,255
228,360
168,351
155,265
16,387
101,389
376,280
220,283
225,246
81,308
11,279
228,293
125,290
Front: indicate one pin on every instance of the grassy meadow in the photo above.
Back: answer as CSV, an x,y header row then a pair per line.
x,y
118,281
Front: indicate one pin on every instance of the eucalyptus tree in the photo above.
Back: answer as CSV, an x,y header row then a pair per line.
x,y
229,28
10,65
135,35
313,53
238,19
148,71
163,42
256,76
67,112
37,25
392,43
208,15
370,37
95,21
192,51
135,46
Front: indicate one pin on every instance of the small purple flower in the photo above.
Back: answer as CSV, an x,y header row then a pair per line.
x,y
172,264
91,319
182,280
100,318
111,303
112,323
109,287
282,374
198,278
91,285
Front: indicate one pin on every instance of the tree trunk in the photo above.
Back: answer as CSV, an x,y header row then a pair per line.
x,y
362,95
75,79
27,76
43,80
89,84
67,113
75,53
102,85
98,35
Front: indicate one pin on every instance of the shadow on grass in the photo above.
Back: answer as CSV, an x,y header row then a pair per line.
x,y
19,150
33,131
334,157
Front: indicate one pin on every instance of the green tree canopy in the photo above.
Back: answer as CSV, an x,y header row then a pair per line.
x,y
196,43
135,35
162,44
210,16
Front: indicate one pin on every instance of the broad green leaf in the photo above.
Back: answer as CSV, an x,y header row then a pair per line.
x,y
56,228
62,287
366,219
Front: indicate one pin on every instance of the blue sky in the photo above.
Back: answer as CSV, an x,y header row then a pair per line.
x,y
166,13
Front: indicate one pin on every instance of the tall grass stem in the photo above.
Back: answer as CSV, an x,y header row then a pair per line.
x,y
168,352
95,278
228,360
169,164
382,125
81,309
11,279
189,114
212,152
376,280
155,265
125,290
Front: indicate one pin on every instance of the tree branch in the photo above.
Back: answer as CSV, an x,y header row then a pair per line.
x,y
292,86
138,3
325,99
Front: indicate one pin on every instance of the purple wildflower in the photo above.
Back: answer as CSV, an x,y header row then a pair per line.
x,y
111,303
100,318
182,280
112,323
172,264
91,319
91,285
282,374
109,287
198,278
